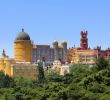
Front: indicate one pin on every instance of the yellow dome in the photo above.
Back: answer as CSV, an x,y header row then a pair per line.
x,y
64,41
55,41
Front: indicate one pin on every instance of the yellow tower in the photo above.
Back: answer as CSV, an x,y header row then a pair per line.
x,y
23,47
5,64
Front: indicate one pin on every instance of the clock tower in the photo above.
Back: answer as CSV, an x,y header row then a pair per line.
x,y
84,40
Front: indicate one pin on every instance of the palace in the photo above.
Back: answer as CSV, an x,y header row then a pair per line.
x,y
26,55
85,55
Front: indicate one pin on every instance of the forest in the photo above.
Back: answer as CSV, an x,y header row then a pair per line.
x,y
82,83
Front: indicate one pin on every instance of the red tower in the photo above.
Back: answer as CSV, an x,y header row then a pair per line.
x,y
84,40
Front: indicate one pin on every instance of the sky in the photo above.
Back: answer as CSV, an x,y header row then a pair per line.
x,y
48,20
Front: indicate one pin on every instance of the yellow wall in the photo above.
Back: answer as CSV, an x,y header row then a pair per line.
x,y
13,69
8,64
2,64
5,65
23,50
81,56
26,71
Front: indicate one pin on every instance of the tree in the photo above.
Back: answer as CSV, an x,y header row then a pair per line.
x,y
8,81
5,80
101,63
40,71
23,82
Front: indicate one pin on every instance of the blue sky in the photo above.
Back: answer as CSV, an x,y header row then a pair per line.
x,y
48,20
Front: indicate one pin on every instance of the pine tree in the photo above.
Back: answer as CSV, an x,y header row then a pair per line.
x,y
40,71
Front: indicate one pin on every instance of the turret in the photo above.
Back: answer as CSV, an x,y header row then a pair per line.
x,y
64,45
55,44
3,54
23,47
55,47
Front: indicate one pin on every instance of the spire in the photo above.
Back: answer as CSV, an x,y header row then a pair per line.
x,y
22,29
3,53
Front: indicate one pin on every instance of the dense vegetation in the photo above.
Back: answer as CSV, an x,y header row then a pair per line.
x,y
83,83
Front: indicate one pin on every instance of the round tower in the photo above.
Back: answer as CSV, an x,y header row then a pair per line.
x,y
23,47
55,47
64,45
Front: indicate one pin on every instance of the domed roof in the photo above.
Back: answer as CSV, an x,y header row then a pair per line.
x,y
22,36
55,41
64,41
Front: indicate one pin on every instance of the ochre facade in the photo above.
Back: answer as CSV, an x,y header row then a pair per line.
x,y
15,69
5,64
23,50
81,56
25,70
21,65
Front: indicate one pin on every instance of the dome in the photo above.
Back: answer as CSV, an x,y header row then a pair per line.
x,y
64,41
23,36
55,41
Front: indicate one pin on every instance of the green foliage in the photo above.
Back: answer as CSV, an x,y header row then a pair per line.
x,y
79,72
20,81
83,83
54,77
40,71
101,63
5,81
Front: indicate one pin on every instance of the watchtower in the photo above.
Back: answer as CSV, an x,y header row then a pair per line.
x,y
84,40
